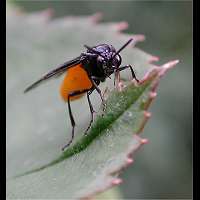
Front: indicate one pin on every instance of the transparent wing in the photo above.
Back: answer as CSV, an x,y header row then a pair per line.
x,y
56,72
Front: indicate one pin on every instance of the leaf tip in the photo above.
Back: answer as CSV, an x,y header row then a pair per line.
x,y
129,160
137,38
121,26
97,17
144,141
147,114
152,95
169,65
117,181
44,15
154,59
49,12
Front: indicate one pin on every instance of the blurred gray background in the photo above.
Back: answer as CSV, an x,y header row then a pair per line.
x,y
163,168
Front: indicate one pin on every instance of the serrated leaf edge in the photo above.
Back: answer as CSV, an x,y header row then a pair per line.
x,y
110,180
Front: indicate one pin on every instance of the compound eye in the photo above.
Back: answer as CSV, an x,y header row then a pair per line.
x,y
117,61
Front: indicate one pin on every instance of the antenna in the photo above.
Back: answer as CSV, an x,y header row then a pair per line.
x,y
127,43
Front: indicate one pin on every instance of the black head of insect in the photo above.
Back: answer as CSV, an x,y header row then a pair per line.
x,y
107,58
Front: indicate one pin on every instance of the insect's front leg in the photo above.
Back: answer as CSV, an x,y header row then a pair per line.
x,y
132,71
72,94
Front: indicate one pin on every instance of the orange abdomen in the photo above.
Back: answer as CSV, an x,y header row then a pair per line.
x,y
76,79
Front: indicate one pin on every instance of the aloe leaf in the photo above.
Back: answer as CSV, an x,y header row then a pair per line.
x,y
38,124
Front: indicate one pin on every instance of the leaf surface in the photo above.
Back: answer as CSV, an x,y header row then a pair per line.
x,y
38,124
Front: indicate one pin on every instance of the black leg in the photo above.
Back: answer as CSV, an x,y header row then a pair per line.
x,y
75,93
132,71
90,91
99,91
91,111
96,87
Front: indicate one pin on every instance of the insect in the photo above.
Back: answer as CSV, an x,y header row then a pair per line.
x,y
84,74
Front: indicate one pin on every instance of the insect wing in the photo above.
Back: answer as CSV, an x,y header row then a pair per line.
x,y
56,72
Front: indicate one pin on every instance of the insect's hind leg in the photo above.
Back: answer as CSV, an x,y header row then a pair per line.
x,y
91,111
72,94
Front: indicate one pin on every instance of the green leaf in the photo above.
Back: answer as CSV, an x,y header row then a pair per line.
x,y
38,124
